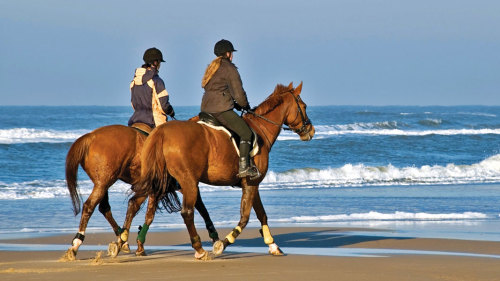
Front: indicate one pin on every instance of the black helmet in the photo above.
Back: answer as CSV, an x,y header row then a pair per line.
x,y
151,55
222,47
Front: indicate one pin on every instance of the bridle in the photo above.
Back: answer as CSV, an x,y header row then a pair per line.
x,y
305,121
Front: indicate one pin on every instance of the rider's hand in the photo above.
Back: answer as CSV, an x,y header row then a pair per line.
x,y
237,107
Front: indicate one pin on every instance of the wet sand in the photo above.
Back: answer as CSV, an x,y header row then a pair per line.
x,y
424,259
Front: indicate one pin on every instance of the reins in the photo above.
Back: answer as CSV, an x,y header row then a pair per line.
x,y
305,121
265,119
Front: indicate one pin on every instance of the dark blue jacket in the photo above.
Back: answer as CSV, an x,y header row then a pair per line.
x,y
149,98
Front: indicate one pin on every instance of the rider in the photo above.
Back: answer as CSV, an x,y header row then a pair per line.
x,y
223,92
149,96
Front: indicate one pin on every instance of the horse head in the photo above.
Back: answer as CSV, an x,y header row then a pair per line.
x,y
297,118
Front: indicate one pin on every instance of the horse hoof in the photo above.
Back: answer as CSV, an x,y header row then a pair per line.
x,y
218,248
140,253
203,256
275,250
70,255
113,249
125,248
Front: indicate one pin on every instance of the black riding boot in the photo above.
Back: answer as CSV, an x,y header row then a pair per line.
x,y
246,170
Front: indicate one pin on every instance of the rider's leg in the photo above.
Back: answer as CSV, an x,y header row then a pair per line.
x,y
235,123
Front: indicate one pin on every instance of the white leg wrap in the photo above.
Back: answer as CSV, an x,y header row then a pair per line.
x,y
273,248
76,244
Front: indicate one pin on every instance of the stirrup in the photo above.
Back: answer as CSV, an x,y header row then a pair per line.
x,y
250,171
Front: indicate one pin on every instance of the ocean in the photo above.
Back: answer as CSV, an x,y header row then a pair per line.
x,y
427,171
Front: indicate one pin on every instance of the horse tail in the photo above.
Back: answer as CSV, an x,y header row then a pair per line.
x,y
75,157
155,179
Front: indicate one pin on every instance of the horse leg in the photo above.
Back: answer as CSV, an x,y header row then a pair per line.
x,y
88,209
247,199
143,230
264,231
134,205
105,210
200,207
189,199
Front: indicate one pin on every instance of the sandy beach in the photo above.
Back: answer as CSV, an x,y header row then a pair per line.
x,y
343,254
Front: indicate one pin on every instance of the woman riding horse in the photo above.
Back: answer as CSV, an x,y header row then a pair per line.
x,y
223,87
113,152
148,94
193,153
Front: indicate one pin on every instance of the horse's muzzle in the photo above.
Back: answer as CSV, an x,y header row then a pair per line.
x,y
308,133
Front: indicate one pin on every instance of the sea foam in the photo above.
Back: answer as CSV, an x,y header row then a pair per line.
x,y
29,135
385,129
486,171
396,216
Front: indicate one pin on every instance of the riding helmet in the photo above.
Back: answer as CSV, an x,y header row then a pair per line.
x,y
151,55
222,47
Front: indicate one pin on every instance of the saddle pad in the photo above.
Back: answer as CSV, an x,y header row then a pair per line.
x,y
255,146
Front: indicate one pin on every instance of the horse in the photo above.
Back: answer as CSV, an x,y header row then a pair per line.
x,y
108,154
192,153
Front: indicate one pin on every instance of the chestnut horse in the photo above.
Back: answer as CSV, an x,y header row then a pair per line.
x,y
193,153
108,154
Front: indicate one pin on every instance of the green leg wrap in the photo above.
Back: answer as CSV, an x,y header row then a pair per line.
x,y
141,237
119,231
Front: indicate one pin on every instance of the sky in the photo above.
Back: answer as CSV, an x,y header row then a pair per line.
x,y
349,52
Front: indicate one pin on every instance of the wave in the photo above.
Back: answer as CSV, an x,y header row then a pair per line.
x,y
30,135
430,122
376,216
386,128
381,129
486,171
478,114
40,189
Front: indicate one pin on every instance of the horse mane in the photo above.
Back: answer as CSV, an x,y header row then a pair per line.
x,y
273,100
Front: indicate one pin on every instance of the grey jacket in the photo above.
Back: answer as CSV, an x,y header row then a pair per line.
x,y
223,89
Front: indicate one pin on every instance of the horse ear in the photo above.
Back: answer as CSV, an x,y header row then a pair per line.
x,y
298,89
290,86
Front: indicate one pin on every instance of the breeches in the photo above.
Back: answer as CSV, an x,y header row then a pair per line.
x,y
235,123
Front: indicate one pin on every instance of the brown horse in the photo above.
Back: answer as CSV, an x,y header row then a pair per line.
x,y
193,153
108,154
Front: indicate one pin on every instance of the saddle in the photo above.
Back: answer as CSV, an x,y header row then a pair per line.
x,y
142,128
209,120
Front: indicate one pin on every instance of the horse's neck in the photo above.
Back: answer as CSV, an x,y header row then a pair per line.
x,y
268,131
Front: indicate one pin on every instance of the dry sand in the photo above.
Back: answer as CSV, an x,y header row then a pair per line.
x,y
181,265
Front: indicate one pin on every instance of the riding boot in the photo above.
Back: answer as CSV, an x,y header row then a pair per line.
x,y
245,169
